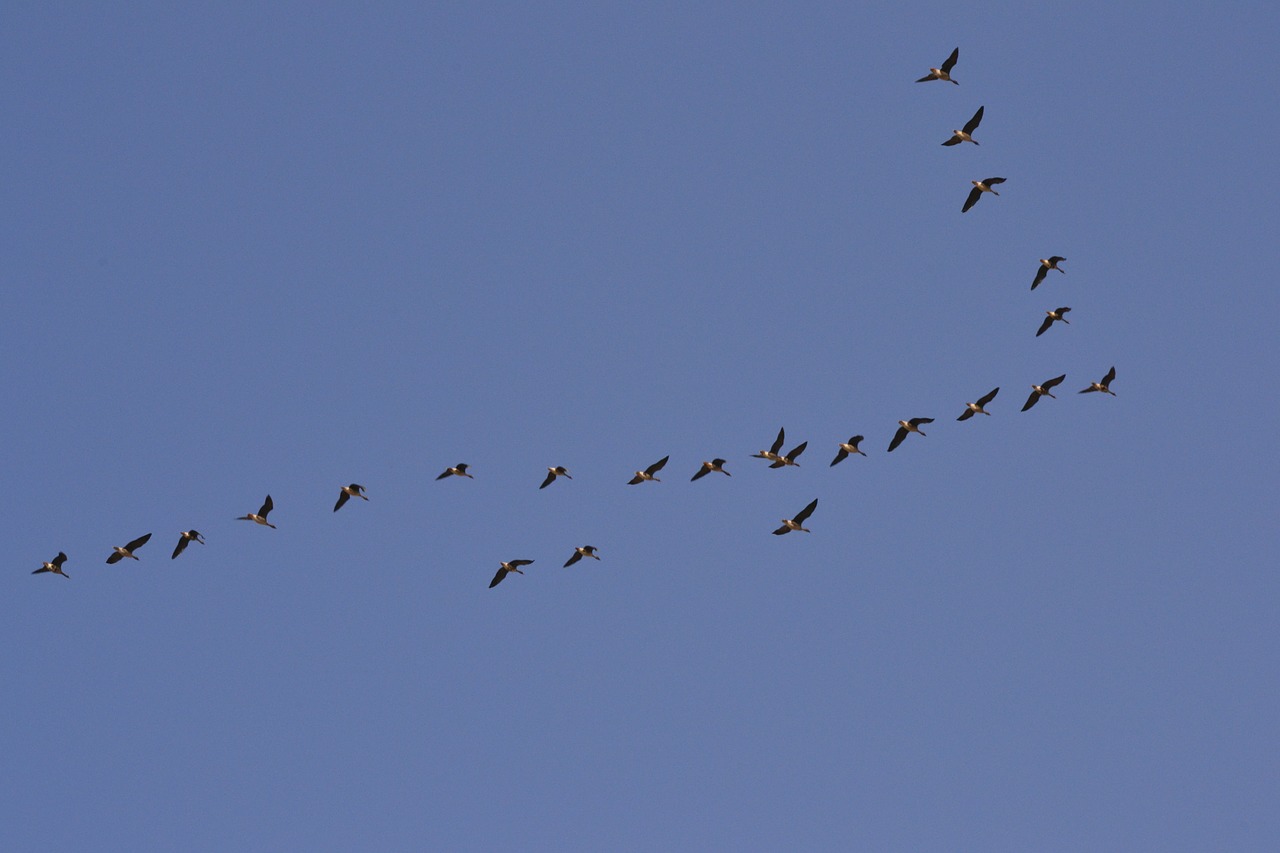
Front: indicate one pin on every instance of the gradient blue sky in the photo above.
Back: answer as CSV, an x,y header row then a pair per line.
x,y
279,248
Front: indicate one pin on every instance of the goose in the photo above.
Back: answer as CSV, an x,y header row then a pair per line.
x,y
1038,391
352,491
507,568
1047,264
772,453
553,473
980,187
118,553
579,553
260,517
971,409
797,523
943,73
647,473
459,470
54,565
184,538
790,457
1105,385
966,134
905,427
708,467
1053,316
850,446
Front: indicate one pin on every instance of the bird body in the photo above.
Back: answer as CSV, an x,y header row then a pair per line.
x,y
965,134
54,566
553,473
648,473
118,553
184,538
354,490
1047,264
1051,317
1105,385
943,73
260,517
459,470
847,447
1045,390
905,427
980,187
506,569
971,409
797,523
708,467
790,457
579,553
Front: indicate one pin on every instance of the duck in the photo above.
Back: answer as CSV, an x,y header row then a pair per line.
x,y
54,566
260,517
459,470
1046,264
184,538
506,569
905,427
980,187
850,446
971,409
966,134
797,523
553,473
943,73
1043,390
354,490
118,553
579,553
789,458
772,453
648,473
1105,385
708,467
1051,317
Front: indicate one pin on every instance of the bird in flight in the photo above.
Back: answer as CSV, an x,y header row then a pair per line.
x,y
647,473
966,133
348,492
971,409
1105,385
579,553
797,523
54,565
1052,317
184,538
850,446
260,517
943,73
772,453
789,458
980,187
553,473
905,427
459,470
118,553
506,569
708,467
1045,390
1047,264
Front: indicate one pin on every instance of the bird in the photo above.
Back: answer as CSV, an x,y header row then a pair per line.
x,y
1038,391
184,538
118,553
552,473
459,470
797,523
352,491
789,458
905,427
980,187
54,565
943,73
507,568
772,453
1053,316
965,134
971,409
647,473
708,467
579,553
1105,385
260,517
850,446
1046,264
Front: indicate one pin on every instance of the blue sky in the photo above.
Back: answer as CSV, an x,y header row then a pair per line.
x,y
280,249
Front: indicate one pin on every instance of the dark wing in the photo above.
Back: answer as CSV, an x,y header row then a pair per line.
x,y
784,529
777,442
702,472
1040,274
1031,401
182,545
797,450
267,506
1044,327
1111,374
1087,390
1056,259
915,422
62,558
342,499
955,140
972,124
897,438
982,401
1063,310
778,464
926,78
1053,383
968,413
137,543
551,478
577,555
840,456
657,466
951,61
446,473
993,181
974,195
804,514
497,579
41,570
635,480
854,440
114,558
519,562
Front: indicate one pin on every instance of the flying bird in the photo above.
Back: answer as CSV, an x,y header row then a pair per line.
x,y
1105,385
260,517
943,73
971,409
905,427
772,453
579,553
352,491
797,523
790,457
980,187
459,470
552,473
1038,391
185,537
1052,317
966,133
708,467
54,565
507,568
118,553
850,446
647,473
1047,264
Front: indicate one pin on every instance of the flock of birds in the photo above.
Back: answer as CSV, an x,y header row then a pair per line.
x,y
773,455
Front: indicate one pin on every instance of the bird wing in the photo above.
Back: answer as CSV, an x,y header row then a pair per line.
x,y
267,506
974,195
784,529
42,569
657,466
1055,260
915,422
497,579
1031,401
519,562
551,478
59,560
577,555
897,438
342,499
114,558
951,61
1111,375
1062,310
972,124
982,401
804,514
137,543
446,473
1040,274
955,140
993,181
637,479
182,546
1087,390
777,442
702,472
797,450
968,413
1053,383
926,78
1044,327
840,456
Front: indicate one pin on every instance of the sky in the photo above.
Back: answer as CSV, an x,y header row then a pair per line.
x,y
279,248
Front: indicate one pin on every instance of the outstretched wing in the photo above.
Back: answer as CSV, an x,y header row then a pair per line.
x,y
915,422
577,555
182,546
342,499
951,61
955,140
1053,383
551,478
974,195
1040,274
657,466
519,562
1044,327
1031,401
972,124
497,579
777,442
137,543
968,413
797,450
267,506
993,181
804,514
897,438
841,454
114,558
982,401
784,529
702,472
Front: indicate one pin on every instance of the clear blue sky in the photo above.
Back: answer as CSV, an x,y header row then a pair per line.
x,y
280,248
